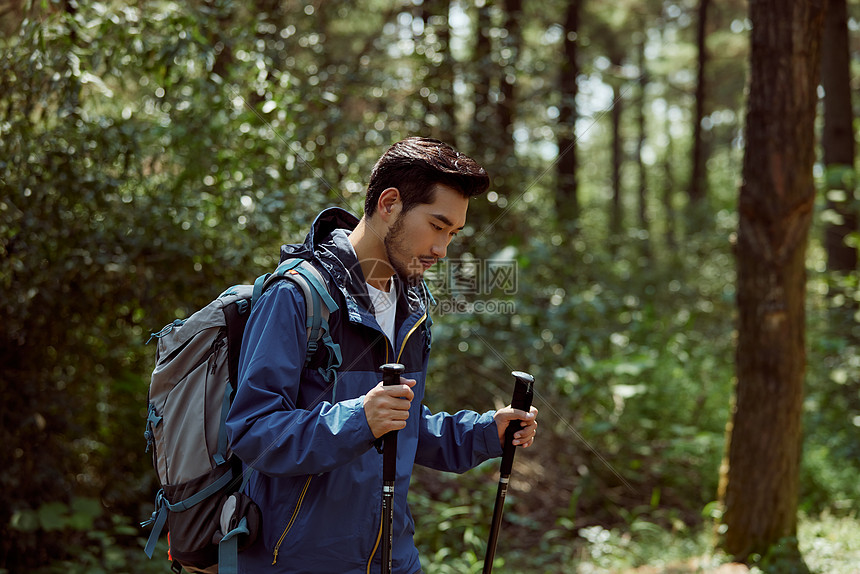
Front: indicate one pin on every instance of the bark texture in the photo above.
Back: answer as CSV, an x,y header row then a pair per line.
x,y
759,487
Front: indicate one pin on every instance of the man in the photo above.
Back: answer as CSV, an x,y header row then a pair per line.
x,y
310,439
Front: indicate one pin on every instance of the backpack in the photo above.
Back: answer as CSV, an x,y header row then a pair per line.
x,y
209,519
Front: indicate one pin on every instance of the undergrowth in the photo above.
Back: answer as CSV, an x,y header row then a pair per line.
x,y
830,545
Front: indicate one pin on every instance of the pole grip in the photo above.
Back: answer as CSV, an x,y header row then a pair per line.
x,y
391,373
522,400
390,376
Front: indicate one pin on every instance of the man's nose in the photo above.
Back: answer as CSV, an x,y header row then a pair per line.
x,y
439,250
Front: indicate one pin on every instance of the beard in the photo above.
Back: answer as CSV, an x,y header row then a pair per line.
x,y
408,268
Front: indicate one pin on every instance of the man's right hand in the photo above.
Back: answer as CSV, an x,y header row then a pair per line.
x,y
387,407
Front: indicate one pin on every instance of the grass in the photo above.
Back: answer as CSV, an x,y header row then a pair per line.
x,y
829,544
454,544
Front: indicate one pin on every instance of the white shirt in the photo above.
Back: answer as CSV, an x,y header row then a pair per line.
x,y
385,307
384,304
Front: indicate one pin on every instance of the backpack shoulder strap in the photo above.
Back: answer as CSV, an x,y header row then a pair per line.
x,y
319,304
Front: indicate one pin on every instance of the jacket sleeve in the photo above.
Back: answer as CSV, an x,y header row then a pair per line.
x,y
265,426
458,442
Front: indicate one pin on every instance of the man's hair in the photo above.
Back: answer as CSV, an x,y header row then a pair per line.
x,y
415,165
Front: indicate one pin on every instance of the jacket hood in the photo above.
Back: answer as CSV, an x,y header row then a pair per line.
x,y
321,230
328,245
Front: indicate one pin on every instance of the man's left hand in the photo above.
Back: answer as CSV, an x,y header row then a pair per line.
x,y
523,437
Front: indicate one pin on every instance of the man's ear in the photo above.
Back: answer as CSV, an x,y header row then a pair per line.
x,y
388,205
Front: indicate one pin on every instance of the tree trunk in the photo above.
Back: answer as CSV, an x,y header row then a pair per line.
x,y
698,185
483,132
642,206
837,138
759,488
435,13
567,200
669,188
509,59
669,181
616,217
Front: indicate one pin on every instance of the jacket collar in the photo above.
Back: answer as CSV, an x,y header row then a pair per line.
x,y
327,243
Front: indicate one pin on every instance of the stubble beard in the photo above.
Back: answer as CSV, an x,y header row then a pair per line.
x,y
409,269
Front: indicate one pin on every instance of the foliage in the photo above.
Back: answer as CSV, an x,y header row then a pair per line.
x,y
449,531
109,228
151,156
829,543
784,556
644,376
95,542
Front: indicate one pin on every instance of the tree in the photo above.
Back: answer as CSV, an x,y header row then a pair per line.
x,y
440,76
668,190
483,132
641,137
759,489
567,200
495,61
616,213
120,202
837,140
698,187
509,56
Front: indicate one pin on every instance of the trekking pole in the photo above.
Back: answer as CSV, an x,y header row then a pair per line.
x,y
390,376
522,400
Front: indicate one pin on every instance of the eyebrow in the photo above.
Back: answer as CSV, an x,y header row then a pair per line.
x,y
445,220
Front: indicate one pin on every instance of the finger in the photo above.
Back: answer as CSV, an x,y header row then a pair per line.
x,y
400,392
524,441
392,426
529,425
397,420
517,414
527,432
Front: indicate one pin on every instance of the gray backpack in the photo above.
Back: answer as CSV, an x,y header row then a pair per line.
x,y
208,518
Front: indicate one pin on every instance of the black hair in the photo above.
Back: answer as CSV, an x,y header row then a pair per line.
x,y
415,165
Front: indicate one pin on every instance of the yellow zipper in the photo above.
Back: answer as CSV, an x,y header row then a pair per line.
x,y
375,546
409,334
402,346
292,519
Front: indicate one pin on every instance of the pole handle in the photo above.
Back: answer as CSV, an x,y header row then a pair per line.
x,y
522,400
391,373
390,376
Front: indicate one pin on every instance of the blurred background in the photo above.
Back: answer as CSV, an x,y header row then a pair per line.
x,y
154,153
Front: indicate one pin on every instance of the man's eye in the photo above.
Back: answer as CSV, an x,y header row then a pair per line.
x,y
436,227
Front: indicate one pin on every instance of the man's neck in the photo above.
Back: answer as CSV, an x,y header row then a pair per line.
x,y
368,243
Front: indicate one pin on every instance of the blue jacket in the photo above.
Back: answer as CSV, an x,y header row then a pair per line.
x,y
319,477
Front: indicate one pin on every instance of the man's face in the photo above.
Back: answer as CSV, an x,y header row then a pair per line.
x,y
420,237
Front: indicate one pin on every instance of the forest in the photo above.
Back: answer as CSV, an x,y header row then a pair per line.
x,y
669,246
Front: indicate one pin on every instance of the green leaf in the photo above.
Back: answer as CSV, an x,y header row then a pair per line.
x,y
25,521
53,516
